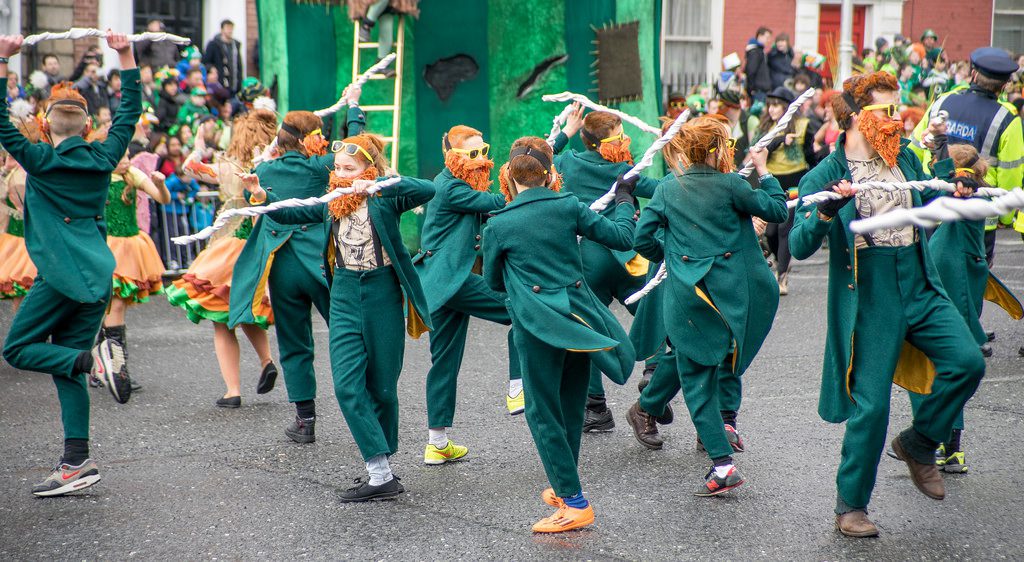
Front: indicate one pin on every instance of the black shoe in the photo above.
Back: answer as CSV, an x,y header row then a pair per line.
x,y
267,379
363,491
645,378
1021,351
666,417
302,430
990,336
986,350
231,402
598,418
365,26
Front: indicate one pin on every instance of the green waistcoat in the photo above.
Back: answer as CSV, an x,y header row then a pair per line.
x,y
451,238
65,196
291,175
835,404
385,211
589,176
720,293
531,253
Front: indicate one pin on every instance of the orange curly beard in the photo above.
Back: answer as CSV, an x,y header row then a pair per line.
x,y
882,135
505,182
346,204
476,172
315,145
616,152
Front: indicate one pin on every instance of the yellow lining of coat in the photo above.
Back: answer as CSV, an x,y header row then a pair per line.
x,y
849,367
996,293
637,266
703,296
261,286
414,324
584,322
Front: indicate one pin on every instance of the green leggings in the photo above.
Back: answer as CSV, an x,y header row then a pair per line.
x,y
49,332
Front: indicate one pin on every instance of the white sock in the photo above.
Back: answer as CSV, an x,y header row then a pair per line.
x,y
379,469
515,386
721,471
438,437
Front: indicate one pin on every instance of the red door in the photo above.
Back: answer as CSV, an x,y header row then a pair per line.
x,y
828,33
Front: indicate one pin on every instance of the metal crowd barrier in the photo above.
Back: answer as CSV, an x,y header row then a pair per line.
x,y
166,223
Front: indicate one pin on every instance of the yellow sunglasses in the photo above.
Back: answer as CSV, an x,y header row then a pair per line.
x,y
891,109
351,149
473,153
617,137
729,142
677,104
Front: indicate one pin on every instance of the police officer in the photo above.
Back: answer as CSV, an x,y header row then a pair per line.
x,y
976,116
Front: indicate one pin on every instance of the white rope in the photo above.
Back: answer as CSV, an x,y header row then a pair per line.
x,y
586,102
778,128
342,102
602,203
83,32
557,122
944,209
226,216
759,145
920,185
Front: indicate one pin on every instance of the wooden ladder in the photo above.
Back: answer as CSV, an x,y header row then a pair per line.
x,y
396,103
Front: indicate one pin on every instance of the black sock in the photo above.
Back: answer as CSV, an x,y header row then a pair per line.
x,y
76,451
305,409
954,442
83,363
117,333
596,402
722,461
729,418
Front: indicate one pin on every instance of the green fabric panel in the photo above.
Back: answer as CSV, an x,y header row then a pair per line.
x,y
511,117
273,50
646,108
656,45
452,27
310,34
580,19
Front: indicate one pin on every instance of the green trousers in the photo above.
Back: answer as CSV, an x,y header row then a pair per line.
x,y
367,330
293,294
915,403
665,385
555,380
706,390
609,281
448,344
896,304
47,335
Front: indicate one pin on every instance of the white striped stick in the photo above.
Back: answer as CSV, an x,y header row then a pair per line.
x,y
226,216
944,209
920,185
83,32
587,102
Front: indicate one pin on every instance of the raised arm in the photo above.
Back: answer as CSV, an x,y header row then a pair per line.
x,y
616,234
123,125
153,185
409,193
652,221
768,202
23,151
468,200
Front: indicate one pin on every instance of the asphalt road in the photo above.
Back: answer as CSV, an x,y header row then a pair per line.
x,y
185,480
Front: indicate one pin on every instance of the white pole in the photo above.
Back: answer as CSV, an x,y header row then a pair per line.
x,y
845,40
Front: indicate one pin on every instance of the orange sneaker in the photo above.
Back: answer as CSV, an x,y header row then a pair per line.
x,y
549,497
565,519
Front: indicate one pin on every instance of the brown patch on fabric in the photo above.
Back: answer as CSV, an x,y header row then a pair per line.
x,y
476,172
346,204
883,135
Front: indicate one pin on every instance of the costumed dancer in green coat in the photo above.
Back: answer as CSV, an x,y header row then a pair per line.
x,y
720,297
889,319
958,249
65,197
373,290
612,274
286,260
449,268
531,252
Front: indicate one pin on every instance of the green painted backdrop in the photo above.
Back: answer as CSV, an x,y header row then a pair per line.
x,y
307,49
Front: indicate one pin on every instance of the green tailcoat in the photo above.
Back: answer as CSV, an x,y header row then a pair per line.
x,y
835,404
66,196
291,175
589,176
385,211
451,238
532,254
720,293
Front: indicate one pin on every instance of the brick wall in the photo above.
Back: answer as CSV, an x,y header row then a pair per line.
x,y
252,33
51,15
86,14
742,20
964,26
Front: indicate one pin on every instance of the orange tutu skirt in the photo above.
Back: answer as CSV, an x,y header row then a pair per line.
x,y
139,270
205,289
16,269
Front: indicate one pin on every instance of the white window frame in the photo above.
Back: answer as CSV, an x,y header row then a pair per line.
x,y
713,39
998,12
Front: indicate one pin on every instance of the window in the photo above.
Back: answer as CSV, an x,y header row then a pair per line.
x,y
180,17
686,39
1008,25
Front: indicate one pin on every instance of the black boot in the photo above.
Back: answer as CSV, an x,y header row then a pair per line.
x,y
302,430
598,417
365,27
